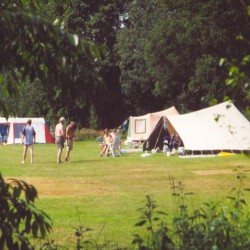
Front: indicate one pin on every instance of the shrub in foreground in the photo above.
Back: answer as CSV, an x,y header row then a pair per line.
x,y
218,225
21,223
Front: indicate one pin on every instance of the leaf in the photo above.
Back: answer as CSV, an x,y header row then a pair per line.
x,y
35,228
243,201
188,193
246,60
231,198
16,193
222,61
140,223
74,39
56,22
156,219
163,213
230,81
234,71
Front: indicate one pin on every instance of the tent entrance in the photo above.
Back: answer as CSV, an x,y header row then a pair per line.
x,y
4,130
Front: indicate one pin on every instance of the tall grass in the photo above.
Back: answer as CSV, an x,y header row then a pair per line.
x,y
104,193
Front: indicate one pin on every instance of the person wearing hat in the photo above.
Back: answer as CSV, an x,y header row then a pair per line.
x,y
70,134
28,140
59,138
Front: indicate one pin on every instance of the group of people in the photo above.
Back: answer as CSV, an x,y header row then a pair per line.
x,y
29,139
108,138
60,137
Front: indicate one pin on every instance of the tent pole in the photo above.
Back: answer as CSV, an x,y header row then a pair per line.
x,y
158,136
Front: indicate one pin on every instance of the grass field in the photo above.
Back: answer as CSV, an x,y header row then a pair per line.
x,y
105,193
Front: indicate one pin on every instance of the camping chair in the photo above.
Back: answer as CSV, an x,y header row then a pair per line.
x,y
114,148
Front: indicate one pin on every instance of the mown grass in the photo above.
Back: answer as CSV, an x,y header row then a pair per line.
x,y
105,193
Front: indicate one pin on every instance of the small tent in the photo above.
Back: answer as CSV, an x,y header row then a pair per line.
x,y
218,128
140,127
11,130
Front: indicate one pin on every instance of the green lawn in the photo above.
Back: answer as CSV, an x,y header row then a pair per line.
x,y
105,193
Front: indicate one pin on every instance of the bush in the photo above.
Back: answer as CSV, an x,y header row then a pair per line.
x,y
86,134
218,225
20,220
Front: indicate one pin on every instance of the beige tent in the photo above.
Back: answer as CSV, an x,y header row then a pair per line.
x,y
140,127
220,127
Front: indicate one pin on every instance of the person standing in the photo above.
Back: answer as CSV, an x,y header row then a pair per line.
x,y
28,140
59,137
70,136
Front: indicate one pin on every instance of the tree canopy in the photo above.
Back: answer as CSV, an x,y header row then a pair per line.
x,y
99,62
178,45
33,48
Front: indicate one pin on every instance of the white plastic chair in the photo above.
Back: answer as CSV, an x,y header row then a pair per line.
x,y
114,148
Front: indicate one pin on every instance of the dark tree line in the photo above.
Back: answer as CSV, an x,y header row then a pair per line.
x,y
98,62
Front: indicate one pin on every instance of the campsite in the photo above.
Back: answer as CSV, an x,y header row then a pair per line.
x,y
124,125
218,128
104,194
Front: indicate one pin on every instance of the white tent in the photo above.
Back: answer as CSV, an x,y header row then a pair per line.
x,y
13,127
140,127
220,127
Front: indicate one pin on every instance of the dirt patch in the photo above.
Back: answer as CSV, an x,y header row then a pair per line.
x,y
66,188
218,172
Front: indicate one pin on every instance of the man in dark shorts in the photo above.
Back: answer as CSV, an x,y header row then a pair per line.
x,y
70,134
59,136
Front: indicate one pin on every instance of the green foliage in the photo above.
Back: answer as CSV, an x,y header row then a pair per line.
x,y
238,81
83,241
136,80
98,22
93,118
158,237
35,48
29,101
172,51
19,218
217,225
86,134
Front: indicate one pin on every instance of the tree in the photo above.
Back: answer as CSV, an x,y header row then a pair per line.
x,y
98,22
37,49
178,45
20,219
238,80
136,80
195,36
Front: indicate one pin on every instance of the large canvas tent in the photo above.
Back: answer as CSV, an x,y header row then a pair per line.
x,y
140,127
218,128
11,130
